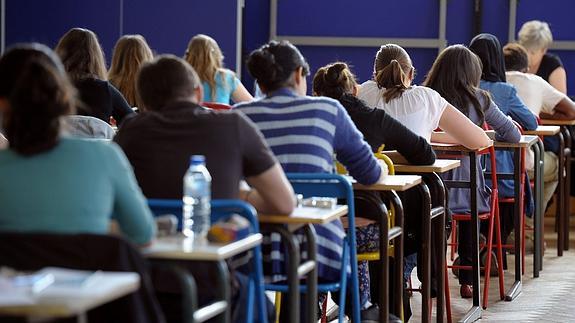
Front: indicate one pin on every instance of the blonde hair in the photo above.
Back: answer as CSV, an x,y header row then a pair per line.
x,y
206,58
81,54
130,52
391,71
535,35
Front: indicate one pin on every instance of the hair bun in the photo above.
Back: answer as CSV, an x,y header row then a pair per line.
x,y
262,65
334,75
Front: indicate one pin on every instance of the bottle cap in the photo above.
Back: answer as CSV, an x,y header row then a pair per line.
x,y
197,159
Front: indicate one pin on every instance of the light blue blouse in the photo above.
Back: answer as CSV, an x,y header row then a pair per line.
x,y
226,84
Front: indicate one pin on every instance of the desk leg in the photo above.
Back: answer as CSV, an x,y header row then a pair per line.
x,y
539,207
567,192
293,260
518,220
311,296
224,290
397,253
475,312
438,233
560,213
426,240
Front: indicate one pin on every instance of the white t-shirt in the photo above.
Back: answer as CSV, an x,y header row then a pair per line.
x,y
418,108
535,92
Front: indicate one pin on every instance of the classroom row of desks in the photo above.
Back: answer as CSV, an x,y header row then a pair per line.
x,y
180,248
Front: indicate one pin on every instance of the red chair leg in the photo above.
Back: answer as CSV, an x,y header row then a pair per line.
x,y
453,239
499,252
487,267
324,311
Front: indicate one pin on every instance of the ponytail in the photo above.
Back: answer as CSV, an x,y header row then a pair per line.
x,y
39,96
392,67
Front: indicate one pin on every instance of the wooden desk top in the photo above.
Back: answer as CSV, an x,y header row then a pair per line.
x,y
181,248
438,146
554,122
525,142
391,183
57,301
306,215
440,166
544,131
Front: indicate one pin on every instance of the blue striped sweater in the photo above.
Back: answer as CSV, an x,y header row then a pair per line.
x,y
304,133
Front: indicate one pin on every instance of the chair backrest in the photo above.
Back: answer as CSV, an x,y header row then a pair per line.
x,y
220,209
33,251
217,106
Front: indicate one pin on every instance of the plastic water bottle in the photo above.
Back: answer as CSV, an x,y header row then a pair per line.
x,y
197,195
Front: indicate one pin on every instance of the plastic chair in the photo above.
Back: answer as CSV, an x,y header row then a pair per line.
x,y
494,223
217,106
332,185
220,210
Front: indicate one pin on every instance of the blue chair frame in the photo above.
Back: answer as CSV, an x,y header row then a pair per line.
x,y
222,209
332,185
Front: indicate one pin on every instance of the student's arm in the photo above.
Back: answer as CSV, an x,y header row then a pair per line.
x,y
461,129
414,148
241,94
519,112
120,107
354,153
558,79
130,206
505,129
271,192
564,110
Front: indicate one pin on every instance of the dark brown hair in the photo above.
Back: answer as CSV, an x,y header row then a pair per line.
x,y
82,54
334,80
455,75
38,91
391,70
273,64
165,80
516,58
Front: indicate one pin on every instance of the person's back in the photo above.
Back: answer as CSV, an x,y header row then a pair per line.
x,y
72,188
414,105
54,184
159,144
84,62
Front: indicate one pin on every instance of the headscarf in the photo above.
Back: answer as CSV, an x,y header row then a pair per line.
x,y
488,48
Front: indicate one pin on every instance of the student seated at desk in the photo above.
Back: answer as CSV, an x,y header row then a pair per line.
x,y
536,37
422,110
455,75
172,126
53,184
304,133
130,52
220,84
543,100
378,128
83,59
494,81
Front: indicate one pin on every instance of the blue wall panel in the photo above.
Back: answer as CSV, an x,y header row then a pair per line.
x,y
168,25
47,21
405,18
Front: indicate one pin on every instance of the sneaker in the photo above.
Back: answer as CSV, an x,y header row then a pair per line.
x,y
494,264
